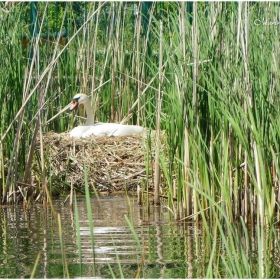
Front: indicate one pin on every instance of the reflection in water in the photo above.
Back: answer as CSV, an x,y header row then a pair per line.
x,y
169,250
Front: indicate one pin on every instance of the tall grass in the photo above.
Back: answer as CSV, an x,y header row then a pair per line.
x,y
208,78
230,99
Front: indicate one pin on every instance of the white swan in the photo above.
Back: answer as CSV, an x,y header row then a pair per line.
x,y
99,129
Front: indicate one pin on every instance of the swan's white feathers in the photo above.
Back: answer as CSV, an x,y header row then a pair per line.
x,y
113,129
100,129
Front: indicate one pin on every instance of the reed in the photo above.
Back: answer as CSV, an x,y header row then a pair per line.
x,y
78,235
208,78
90,220
158,122
35,266
63,256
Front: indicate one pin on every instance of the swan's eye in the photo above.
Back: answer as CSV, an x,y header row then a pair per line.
x,y
77,99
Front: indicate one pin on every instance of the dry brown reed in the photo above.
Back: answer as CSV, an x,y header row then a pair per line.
x,y
111,163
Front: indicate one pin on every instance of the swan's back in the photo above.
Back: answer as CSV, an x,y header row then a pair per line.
x,y
106,129
113,129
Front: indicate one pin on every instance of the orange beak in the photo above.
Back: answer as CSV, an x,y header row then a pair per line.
x,y
74,105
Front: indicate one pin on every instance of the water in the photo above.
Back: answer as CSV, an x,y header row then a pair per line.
x,y
168,250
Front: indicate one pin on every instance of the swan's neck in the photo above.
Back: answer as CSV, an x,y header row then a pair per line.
x,y
89,112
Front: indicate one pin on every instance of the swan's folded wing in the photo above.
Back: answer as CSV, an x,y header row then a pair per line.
x,y
113,129
126,130
78,131
101,129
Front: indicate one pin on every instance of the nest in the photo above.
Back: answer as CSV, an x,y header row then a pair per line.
x,y
109,163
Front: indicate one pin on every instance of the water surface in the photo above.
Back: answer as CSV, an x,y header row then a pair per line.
x,y
167,249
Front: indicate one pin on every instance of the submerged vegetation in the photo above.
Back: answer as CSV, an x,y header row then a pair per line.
x,y
205,73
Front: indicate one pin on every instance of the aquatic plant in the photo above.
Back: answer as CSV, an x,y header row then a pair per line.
x,y
205,73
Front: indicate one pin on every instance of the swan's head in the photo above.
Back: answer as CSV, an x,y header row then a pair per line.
x,y
79,98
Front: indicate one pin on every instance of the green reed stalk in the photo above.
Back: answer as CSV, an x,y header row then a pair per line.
x,y
35,266
235,262
219,99
14,157
90,218
64,261
158,121
11,178
78,235
138,244
215,71
91,228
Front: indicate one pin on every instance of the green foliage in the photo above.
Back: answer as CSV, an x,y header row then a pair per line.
x,y
219,93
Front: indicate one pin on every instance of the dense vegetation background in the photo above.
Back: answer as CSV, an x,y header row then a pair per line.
x,y
206,73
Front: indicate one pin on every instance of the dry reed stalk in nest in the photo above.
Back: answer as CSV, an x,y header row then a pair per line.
x,y
111,163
